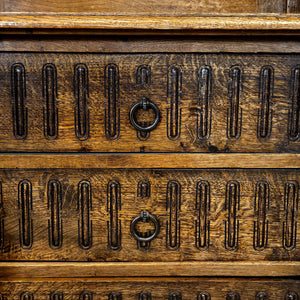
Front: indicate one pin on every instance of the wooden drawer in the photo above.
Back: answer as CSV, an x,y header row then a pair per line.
x,y
145,289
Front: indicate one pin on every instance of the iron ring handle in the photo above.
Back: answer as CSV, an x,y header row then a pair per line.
x,y
144,216
144,103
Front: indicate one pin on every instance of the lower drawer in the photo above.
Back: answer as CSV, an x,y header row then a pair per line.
x,y
158,288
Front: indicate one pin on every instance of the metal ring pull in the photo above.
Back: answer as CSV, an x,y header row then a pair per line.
x,y
145,216
145,104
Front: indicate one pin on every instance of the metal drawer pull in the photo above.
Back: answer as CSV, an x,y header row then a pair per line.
x,y
145,216
144,103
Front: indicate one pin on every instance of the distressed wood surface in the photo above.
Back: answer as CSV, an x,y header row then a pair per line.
x,y
208,102
145,288
203,215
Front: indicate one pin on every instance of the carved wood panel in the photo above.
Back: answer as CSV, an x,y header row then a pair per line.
x,y
201,215
68,102
145,289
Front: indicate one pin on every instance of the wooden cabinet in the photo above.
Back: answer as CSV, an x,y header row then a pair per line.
x,y
149,150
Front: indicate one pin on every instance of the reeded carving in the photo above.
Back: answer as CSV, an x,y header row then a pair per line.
x,y
175,296
143,75
86,296
111,92
265,113
25,207
113,208
291,296
26,296
235,93
144,189
294,112
56,296
49,76
233,296
81,93
55,225
202,208
289,230
261,206
115,296
174,93
84,208
232,206
204,102
145,296
18,90
261,296
173,206
203,296
2,215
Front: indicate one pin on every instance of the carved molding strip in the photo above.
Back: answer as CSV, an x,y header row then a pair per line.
x,y
26,296
113,208
202,223
25,207
143,75
174,93
86,296
175,296
233,296
232,206
84,208
204,296
49,75
261,207
115,296
205,84
2,215
294,113
173,206
56,296
145,296
55,224
112,92
18,88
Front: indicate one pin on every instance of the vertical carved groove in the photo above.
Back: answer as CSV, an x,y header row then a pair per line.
x,y
202,208
143,75
204,99
2,215
234,113
203,296
175,296
50,94
264,126
86,296
111,92
272,6
291,296
26,296
113,207
81,91
54,194
294,113
261,206
56,296
145,296
84,207
115,296
289,230
174,94
232,205
261,296
173,206
233,296
144,189
25,206
18,80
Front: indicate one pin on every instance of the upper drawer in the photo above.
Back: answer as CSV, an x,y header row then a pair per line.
x,y
68,102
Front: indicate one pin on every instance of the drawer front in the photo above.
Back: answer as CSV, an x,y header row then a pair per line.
x,y
68,102
161,215
145,289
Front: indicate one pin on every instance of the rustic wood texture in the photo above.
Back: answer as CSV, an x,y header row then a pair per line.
x,y
145,288
204,215
205,105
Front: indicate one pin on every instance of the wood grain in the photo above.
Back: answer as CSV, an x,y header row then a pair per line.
x,y
43,220
158,288
24,103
